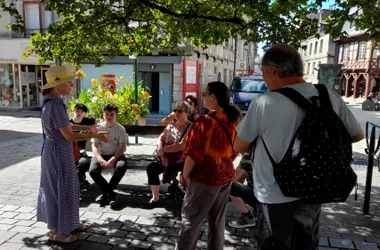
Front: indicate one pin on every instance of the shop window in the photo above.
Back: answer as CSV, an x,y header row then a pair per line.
x,y
9,86
361,51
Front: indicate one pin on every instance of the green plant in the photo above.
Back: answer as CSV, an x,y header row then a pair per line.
x,y
96,97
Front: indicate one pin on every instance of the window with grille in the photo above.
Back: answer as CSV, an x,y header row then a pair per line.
x,y
321,46
311,48
361,51
312,69
316,47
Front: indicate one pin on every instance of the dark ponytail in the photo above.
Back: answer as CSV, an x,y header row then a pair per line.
x,y
222,95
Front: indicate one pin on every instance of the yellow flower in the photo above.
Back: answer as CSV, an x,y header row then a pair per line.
x,y
135,106
138,117
121,78
125,96
145,94
84,76
94,81
133,74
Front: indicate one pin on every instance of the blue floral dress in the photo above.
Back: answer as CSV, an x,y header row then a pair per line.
x,y
59,193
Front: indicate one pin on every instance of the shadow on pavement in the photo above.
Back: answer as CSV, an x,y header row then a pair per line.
x,y
10,135
347,220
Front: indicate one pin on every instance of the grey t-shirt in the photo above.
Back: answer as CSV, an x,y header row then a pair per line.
x,y
116,135
276,118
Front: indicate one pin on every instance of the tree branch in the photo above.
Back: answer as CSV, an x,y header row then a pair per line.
x,y
164,10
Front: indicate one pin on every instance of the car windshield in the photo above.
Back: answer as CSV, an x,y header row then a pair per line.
x,y
249,85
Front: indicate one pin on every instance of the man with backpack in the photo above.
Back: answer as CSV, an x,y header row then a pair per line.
x,y
303,135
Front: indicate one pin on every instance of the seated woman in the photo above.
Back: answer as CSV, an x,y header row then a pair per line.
x,y
170,146
195,111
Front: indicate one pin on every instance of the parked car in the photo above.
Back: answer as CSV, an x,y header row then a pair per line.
x,y
245,88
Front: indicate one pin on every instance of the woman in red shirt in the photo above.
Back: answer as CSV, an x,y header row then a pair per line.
x,y
209,169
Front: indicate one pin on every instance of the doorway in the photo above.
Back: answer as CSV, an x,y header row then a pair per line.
x,y
151,80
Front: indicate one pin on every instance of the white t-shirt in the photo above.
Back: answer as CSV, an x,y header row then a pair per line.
x,y
276,118
116,135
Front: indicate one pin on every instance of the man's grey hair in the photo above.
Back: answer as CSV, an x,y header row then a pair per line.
x,y
186,105
285,59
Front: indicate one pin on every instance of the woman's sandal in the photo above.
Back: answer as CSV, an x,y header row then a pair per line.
x,y
65,238
82,227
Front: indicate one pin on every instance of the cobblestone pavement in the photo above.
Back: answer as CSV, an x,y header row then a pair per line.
x,y
343,225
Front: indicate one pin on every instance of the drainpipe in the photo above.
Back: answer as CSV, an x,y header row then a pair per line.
x,y
235,54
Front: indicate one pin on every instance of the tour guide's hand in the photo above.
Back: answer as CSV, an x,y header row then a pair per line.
x,y
160,152
102,163
93,129
164,161
101,135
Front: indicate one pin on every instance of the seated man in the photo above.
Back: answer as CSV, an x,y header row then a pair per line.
x,y
241,194
109,155
83,164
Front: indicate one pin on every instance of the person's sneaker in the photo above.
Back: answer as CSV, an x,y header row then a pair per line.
x,y
115,201
243,222
102,199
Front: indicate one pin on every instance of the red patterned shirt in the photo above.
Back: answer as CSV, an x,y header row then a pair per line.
x,y
211,150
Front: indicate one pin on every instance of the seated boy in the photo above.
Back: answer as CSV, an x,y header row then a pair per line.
x,y
83,164
109,155
241,194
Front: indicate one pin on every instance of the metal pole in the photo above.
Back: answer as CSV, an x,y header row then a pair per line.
x,y
136,93
235,54
368,184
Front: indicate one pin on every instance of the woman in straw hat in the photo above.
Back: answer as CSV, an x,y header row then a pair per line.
x,y
58,198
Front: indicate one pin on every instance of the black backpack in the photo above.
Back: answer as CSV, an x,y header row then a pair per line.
x,y
317,165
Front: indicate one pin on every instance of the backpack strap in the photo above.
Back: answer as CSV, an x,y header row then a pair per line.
x,y
297,98
223,127
324,96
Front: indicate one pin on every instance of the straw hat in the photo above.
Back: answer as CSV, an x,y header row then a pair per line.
x,y
56,76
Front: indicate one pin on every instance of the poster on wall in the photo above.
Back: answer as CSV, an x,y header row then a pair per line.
x,y
108,82
190,78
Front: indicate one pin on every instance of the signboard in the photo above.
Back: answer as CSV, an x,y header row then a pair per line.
x,y
190,78
108,82
241,67
250,72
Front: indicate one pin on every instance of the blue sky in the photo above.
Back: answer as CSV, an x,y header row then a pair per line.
x,y
325,5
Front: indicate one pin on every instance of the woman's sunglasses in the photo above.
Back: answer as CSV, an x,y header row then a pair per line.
x,y
178,111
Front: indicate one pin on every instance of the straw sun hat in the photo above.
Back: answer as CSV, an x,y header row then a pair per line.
x,y
56,76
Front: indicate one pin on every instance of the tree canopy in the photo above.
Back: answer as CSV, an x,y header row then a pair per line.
x,y
91,29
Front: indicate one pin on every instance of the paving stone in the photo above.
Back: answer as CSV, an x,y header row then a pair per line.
x,y
9,215
323,242
6,235
25,209
140,244
37,246
172,240
326,248
112,224
242,233
97,230
40,231
5,227
229,247
87,245
40,224
92,215
24,216
20,229
23,238
131,228
157,238
8,221
10,208
119,242
162,246
128,218
170,232
25,223
365,245
136,235
341,243
164,222
11,246
82,235
109,217
116,233
353,237
150,230
244,248
98,238
146,221
232,239
202,244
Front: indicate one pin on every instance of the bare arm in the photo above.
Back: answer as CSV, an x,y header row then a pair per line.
x,y
161,142
120,151
358,137
243,146
95,150
239,175
187,168
70,136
